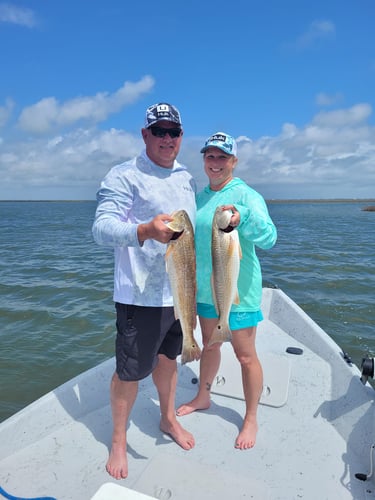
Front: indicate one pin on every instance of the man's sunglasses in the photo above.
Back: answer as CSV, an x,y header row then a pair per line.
x,y
162,132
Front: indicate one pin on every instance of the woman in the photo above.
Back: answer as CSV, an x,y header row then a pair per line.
x,y
255,228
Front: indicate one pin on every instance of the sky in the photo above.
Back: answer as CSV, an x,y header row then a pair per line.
x,y
293,81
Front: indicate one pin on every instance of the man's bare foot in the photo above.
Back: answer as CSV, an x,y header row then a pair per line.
x,y
180,435
246,438
117,464
194,405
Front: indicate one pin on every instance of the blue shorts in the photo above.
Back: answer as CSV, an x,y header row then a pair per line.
x,y
237,320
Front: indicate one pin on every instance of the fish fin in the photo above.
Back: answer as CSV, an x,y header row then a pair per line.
x,y
213,294
190,352
239,250
234,245
168,251
176,314
221,333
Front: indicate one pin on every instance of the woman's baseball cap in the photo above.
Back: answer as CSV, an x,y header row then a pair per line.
x,y
222,141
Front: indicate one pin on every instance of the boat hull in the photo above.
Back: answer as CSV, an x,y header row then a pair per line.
x,y
316,422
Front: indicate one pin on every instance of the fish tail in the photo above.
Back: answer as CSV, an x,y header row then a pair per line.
x,y
190,352
221,333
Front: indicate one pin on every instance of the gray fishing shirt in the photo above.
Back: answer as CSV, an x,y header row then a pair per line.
x,y
132,193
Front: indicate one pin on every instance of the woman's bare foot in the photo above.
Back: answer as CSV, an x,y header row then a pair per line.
x,y
180,435
246,438
194,405
117,464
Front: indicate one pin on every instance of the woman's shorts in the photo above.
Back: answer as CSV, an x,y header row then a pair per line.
x,y
237,320
142,334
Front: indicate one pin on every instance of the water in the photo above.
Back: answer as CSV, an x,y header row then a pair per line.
x,y
325,261
56,312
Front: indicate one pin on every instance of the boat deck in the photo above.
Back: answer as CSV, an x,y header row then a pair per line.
x,y
316,427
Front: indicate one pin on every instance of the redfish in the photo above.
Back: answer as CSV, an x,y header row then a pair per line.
x,y
181,269
226,255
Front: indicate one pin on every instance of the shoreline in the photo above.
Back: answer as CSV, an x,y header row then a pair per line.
x,y
272,200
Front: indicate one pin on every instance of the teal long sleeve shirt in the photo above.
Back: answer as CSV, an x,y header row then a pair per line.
x,y
256,229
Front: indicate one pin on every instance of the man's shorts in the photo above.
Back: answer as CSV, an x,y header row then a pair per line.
x,y
237,320
142,334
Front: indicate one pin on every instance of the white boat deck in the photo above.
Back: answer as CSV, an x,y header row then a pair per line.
x,y
316,428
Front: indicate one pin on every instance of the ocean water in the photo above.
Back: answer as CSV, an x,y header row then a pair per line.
x,y
57,317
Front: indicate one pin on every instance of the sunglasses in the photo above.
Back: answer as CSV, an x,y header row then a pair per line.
x,y
162,132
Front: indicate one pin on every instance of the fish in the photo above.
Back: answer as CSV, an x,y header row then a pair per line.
x,y
226,255
181,269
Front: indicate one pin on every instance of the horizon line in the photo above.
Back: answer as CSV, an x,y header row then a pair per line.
x,y
269,200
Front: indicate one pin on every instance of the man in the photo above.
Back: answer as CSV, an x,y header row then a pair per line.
x,y
135,201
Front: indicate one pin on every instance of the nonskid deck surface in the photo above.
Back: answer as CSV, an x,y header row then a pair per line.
x,y
304,448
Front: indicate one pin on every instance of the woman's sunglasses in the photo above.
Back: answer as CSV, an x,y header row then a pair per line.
x,y
162,132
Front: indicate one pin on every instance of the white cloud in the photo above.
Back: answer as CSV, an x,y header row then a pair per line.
x,y
343,117
78,158
332,156
6,111
323,99
48,114
317,31
22,16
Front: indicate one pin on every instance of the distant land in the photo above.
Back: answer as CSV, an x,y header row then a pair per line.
x,y
273,200
324,200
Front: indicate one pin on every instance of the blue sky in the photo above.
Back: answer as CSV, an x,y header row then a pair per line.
x,y
293,81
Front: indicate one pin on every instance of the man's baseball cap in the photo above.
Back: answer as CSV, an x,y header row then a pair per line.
x,y
162,111
222,141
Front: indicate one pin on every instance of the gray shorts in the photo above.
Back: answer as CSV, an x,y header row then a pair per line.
x,y
142,334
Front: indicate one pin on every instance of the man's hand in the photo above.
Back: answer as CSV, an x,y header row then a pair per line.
x,y
156,229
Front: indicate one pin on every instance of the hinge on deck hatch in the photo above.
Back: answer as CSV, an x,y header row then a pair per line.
x,y
364,477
